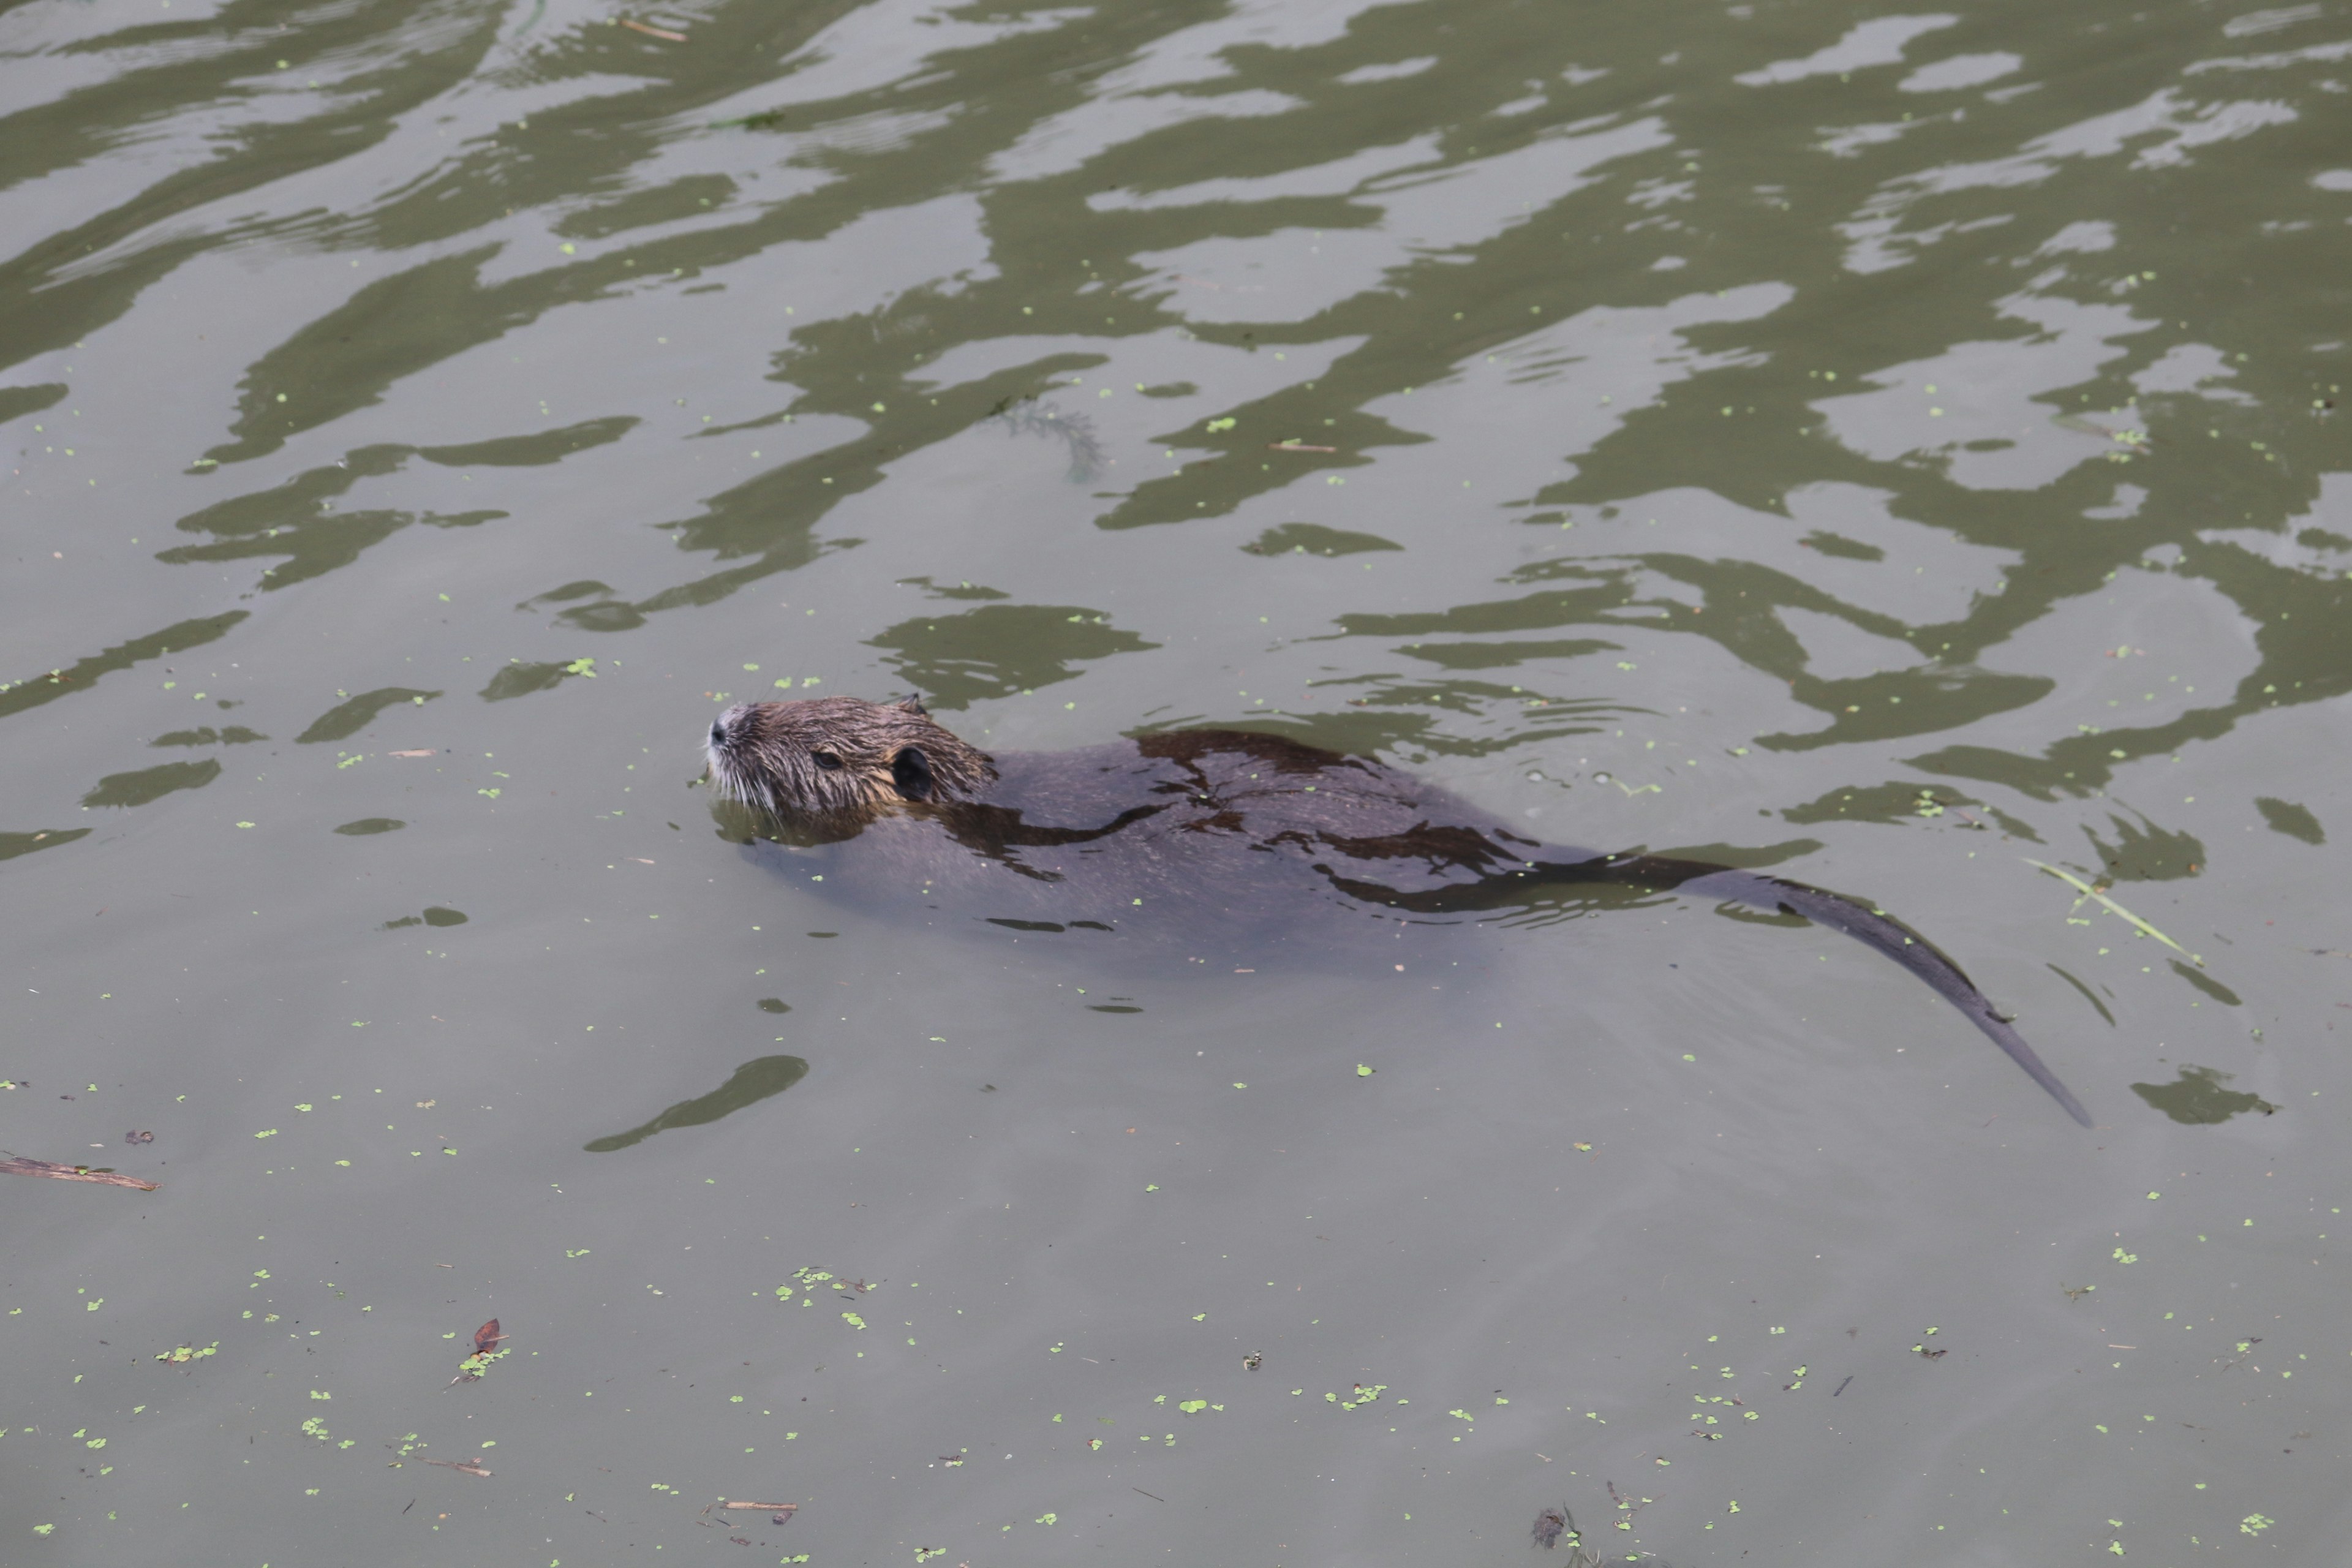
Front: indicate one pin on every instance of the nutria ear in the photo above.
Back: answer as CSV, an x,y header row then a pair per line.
x,y
911,771
911,703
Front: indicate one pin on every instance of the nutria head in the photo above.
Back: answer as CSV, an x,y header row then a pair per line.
x,y
838,759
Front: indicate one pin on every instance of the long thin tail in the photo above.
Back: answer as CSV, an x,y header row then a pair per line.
x,y
1872,927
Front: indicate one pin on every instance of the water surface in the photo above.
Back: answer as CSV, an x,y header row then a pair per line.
x,y
1895,447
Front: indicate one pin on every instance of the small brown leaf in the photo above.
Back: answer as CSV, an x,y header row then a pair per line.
x,y
487,1336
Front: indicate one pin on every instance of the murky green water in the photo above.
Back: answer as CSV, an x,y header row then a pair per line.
x,y
1895,447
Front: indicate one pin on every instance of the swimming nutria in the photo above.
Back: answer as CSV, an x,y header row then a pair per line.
x,y
1196,831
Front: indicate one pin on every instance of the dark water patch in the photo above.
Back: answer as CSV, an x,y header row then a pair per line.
x,y
233,735
520,679
609,615
15,843
1313,539
16,402
1406,724
998,650
2197,1097
2144,852
367,826
84,673
2294,821
1535,611
353,715
773,1004
1898,704
436,916
1503,655
952,591
2207,983
152,784
310,547
605,617
1747,856
348,358
1889,801
532,451
1844,549
2016,827
582,589
281,506
752,1083
2041,778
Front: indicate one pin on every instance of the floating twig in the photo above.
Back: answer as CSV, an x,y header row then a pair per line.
x,y
1296,447
472,1466
667,37
782,1510
18,1165
1626,1503
2112,907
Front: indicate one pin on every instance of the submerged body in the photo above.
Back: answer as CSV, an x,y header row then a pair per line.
x,y
1201,838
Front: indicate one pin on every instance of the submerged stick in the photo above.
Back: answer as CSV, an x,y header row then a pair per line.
x,y
2130,919
20,1166
784,1511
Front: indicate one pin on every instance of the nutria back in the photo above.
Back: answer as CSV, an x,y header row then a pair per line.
x,y
1161,837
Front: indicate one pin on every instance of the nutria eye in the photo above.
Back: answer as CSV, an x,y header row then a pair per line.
x,y
826,761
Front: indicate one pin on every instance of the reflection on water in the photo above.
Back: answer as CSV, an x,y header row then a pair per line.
x,y
2197,1096
748,1085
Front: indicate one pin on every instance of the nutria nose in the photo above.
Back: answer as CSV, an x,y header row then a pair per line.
x,y
718,733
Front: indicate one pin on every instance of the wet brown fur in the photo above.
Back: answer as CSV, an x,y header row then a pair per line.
x,y
837,762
